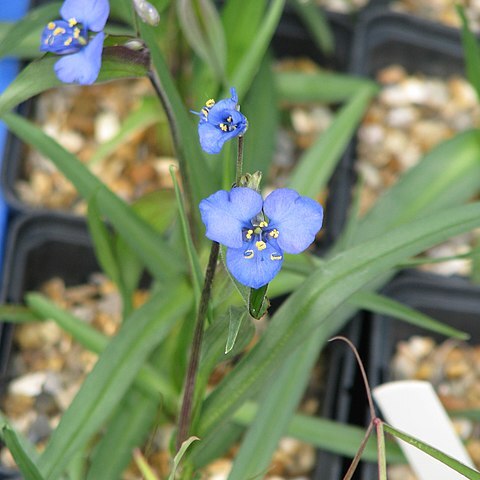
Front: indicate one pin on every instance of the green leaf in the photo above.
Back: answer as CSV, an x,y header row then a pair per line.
x,y
448,175
18,314
102,242
258,302
143,466
25,463
241,19
180,454
382,455
263,118
322,293
328,435
35,19
317,164
112,375
325,87
249,65
203,29
316,23
148,379
128,428
386,306
433,452
471,50
236,320
161,260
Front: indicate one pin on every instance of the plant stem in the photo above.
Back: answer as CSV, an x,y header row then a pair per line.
x,y
160,91
239,165
188,393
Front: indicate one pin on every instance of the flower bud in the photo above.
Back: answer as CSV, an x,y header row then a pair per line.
x,y
147,12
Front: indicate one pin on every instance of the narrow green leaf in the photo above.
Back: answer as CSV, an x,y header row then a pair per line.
x,y
326,87
128,428
258,302
161,260
35,18
260,140
180,454
386,306
471,50
316,23
39,76
433,452
325,434
25,444
438,182
112,375
321,294
203,29
18,314
143,466
25,463
249,65
317,164
198,181
241,19
145,115
102,242
236,319
195,269
148,379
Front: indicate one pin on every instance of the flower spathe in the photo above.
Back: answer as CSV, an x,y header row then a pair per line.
x,y
258,232
220,122
70,37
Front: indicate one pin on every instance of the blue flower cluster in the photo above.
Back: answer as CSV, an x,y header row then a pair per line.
x,y
70,37
257,232
220,122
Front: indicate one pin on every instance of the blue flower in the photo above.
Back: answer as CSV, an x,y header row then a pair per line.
x,y
220,122
69,37
256,232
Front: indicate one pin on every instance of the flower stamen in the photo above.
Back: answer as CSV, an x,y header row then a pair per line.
x,y
275,256
274,233
248,254
261,245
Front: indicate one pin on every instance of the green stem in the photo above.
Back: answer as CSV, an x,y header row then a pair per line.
x,y
192,370
239,165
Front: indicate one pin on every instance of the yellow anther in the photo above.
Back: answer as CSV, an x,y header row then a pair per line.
x,y
275,256
248,254
72,22
51,25
82,41
204,111
68,41
274,233
263,224
229,119
210,103
76,32
261,245
58,31
249,234
223,127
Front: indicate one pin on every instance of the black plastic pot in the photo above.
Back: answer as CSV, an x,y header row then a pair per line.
x,y
38,249
452,300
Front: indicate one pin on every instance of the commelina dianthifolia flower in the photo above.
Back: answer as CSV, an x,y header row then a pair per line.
x,y
220,122
257,232
69,36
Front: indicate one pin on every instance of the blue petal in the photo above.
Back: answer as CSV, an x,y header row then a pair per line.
x,y
226,213
297,218
82,67
257,270
92,14
211,137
